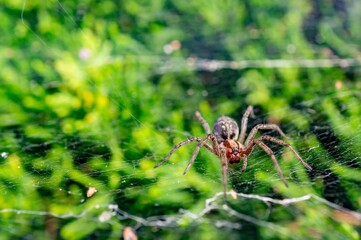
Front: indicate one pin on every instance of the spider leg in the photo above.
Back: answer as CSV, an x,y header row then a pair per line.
x,y
245,159
280,142
196,151
246,114
224,173
254,131
206,128
203,122
271,154
189,140
224,161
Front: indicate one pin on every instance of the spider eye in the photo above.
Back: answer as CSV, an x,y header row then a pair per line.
x,y
232,135
224,136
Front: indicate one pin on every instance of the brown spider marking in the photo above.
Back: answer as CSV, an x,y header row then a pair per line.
x,y
231,145
234,151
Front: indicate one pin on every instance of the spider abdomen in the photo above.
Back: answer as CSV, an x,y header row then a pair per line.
x,y
225,128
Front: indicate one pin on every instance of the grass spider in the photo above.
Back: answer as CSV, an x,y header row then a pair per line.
x,y
231,145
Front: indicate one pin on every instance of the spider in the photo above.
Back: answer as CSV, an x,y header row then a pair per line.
x,y
231,145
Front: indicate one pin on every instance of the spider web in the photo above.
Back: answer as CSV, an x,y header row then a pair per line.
x,y
111,125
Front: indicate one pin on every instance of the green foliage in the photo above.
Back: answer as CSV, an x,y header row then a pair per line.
x,y
85,102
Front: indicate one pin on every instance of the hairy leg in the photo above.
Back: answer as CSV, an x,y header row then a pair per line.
x,y
254,131
204,123
208,131
192,139
245,159
283,143
242,135
196,151
271,154
224,173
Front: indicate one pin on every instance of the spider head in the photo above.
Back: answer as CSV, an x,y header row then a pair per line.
x,y
234,151
225,129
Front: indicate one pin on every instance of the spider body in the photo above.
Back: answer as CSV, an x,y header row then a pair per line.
x,y
231,145
226,131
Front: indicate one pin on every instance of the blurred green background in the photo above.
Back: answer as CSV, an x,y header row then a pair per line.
x,y
95,93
